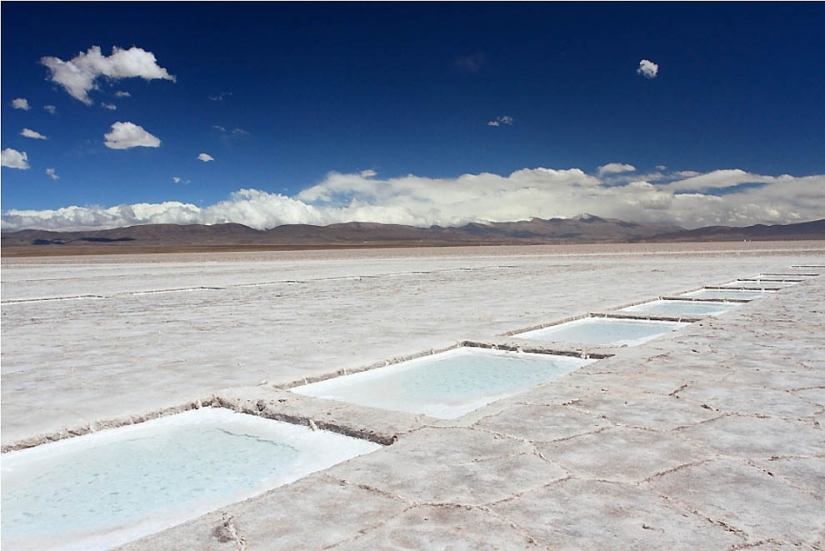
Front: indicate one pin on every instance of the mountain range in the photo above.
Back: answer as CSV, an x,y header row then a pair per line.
x,y
226,237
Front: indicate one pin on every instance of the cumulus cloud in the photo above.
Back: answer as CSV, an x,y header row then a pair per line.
x,y
78,75
109,106
205,157
614,168
11,158
21,103
52,174
722,197
51,109
504,119
28,133
126,135
648,69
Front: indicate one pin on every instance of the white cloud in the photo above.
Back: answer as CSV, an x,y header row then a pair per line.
x,y
713,198
205,157
109,106
220,96
179,180
28,133
122,94
21,103
614,168
648,69
219,128
78,75
12,158
51,109
369,173
471,63
52,174
504,119
126,135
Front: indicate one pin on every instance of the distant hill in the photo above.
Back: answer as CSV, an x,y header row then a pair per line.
x,y
581,229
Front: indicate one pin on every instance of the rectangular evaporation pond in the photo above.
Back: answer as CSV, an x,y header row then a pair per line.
x,y
738,294
104,489
604,331
680,308
759,284
446,385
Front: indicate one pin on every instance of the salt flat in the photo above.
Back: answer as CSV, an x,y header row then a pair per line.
x,y
709,437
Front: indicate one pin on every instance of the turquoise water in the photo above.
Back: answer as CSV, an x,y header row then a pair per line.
x,y
77,493
446,385
740,294
604,331
681,308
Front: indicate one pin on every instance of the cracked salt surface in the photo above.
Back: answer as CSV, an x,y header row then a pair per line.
x,y
114,486
446,385
69,364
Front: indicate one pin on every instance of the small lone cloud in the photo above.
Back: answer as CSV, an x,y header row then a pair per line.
x,y
11,158
220,96
648,69
369,173
179,180
109,106
126,135
615,168
661,167
219,128
205,157
21,103
122,94
29,133
471,63
51,109
52,174
504,119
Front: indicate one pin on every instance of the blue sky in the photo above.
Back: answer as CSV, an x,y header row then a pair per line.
x,y
694,114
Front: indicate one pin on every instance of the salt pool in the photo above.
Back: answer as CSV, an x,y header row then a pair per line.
x,y
664,307
737,294
604,331
759,284
105,489
445,385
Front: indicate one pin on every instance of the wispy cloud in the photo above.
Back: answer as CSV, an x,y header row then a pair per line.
x,y
126,135
52,174
122,94
109,106
648,69
11,158
205,157
29,133
51,109
471,63
220,96
179,180
20,103
78,75
503,119
614,168
721,197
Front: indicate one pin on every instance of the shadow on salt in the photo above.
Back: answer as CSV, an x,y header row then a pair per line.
x,y
108,488
446,385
